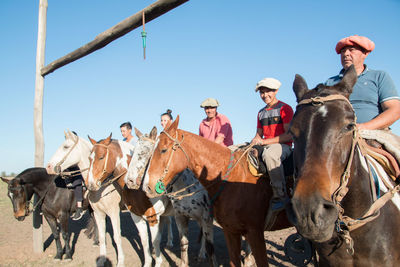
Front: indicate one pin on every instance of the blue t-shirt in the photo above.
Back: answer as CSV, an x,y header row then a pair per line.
x,y
373,87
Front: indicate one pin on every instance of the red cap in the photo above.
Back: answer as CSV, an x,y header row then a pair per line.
x,y
361,41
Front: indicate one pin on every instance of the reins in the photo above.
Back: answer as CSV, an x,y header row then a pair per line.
x,y
346,224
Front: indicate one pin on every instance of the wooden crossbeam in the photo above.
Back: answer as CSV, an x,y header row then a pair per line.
x,y
151,12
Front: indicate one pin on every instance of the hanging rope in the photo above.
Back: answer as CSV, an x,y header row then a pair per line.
x,y
144,35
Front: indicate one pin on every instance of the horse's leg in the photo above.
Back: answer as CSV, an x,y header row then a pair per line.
x,y
233,244
56,234
144,238
208,241
116,225
257,243
96,230
182,224
155,231
170,240
100,217
65,234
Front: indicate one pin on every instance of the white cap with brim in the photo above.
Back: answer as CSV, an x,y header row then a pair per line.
x,y
209,102
270,83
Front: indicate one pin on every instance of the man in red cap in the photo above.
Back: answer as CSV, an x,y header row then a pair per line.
x,y
374,97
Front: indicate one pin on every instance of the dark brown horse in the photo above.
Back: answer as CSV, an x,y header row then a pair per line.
x,y
240,199
55,200
334,191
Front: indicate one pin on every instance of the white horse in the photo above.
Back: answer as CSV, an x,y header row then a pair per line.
x,y
106,201
187,195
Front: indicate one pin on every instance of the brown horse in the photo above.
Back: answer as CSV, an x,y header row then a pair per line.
x,y
333,183
240,200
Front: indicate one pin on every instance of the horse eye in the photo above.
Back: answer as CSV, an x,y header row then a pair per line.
x,y
351,126
100,158
163,150
66,147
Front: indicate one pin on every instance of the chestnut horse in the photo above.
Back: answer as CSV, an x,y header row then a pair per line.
x,y
334,185
240,200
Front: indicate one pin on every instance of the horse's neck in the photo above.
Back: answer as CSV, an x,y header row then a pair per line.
x,y
207,160
40,184
85,147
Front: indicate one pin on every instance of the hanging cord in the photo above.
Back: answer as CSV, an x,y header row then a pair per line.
x,y
144,35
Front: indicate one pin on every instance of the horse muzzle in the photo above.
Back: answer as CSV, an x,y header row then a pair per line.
x,y
313,216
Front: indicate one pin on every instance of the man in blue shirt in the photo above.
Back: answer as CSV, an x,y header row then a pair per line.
x,y
374,97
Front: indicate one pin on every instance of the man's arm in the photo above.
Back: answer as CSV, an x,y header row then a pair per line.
x,y
280,139
390,114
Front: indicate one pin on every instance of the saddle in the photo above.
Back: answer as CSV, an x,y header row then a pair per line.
x,y
257,166
389,163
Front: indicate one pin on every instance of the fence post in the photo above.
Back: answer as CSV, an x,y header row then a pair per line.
x,y
38,119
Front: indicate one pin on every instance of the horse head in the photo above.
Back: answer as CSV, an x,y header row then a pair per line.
x,y
140,158
19,194
109,159
322,129
73,151
169,158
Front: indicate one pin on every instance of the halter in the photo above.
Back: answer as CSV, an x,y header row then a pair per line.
x,y
110,181
345,224
160,187
28,210
69,173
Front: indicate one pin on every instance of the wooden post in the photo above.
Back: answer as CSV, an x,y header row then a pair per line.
x,y
151,12
38,119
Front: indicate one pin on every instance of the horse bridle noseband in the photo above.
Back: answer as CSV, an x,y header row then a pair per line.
x,y
160,187
345,224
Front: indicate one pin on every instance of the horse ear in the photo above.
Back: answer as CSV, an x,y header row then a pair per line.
x,y
108,140
153,133
138,133
174,125
92,140
349,80
299,87
65,134
5,180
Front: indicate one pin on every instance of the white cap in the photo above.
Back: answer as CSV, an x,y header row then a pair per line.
x,y
270,83
209,102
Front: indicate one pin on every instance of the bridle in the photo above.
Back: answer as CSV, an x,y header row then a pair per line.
x,y
28,210
345,224
102,180
68,173
160,187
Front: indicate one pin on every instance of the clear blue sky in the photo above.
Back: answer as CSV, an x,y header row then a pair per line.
x,y
201,49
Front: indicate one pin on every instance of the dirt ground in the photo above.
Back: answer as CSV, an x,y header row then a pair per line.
x,y
16,243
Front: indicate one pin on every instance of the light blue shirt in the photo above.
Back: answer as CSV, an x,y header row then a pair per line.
x,y
373,87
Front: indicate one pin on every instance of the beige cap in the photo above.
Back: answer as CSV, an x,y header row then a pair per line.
x,y
209,102
270,83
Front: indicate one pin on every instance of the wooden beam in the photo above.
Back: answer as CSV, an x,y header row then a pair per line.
x,y
151,12
38,119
